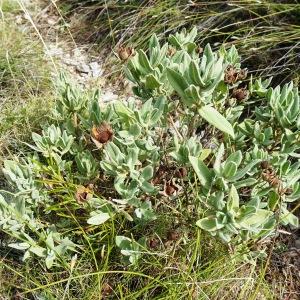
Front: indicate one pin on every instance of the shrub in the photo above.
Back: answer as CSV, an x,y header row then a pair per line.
x,y
197,130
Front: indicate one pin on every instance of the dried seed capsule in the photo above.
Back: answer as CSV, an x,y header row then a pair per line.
x,y
125,52
153,243
240,94
102,133
170,189
106,290
83,194
171,51
288,191
199,50
181,172
242,74
264,164
173,235
231,75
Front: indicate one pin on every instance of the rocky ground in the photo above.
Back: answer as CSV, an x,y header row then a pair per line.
x,y
80,61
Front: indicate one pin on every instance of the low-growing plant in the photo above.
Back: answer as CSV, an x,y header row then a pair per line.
x,y
196,130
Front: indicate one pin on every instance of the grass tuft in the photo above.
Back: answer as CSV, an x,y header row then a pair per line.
x,y
25,88
266,33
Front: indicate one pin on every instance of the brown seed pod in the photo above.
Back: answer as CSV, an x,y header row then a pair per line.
x,y
265,165
240,94
153,243
173,235
83,194
288,191
17,296
242,74
160,174
269,175
106,289
171,51
125,52
170,189
199,50
232,74
181,172
155,180
102,133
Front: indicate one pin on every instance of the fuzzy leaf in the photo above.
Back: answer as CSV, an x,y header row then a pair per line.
x,y
209,224
213,117
177,81
233,200
152,82
204,174
98,219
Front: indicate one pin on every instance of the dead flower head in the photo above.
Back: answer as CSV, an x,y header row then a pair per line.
x,y
102,133
106,290
181,172
232,74
199,50
83,194
125,52
240,94
170,189
171,51
265,164
153,243
173,235
242,74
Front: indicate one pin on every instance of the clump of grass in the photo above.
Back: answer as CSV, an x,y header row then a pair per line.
x,y
8,6
25,81
266,33
194,268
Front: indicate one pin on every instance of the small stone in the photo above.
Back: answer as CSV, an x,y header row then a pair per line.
x,y
109,96
70,62
297,243
52,20
54,51
77,52
19,20
96,69
83,68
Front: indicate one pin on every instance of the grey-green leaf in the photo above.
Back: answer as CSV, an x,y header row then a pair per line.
x,y
98,219
177,81
213,117
204,174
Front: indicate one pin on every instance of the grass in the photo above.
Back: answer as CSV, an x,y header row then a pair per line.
x,y
266,33
26,88
194,265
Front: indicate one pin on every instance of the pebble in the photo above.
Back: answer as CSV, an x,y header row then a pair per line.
x,y
108,96
96,69
83,68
